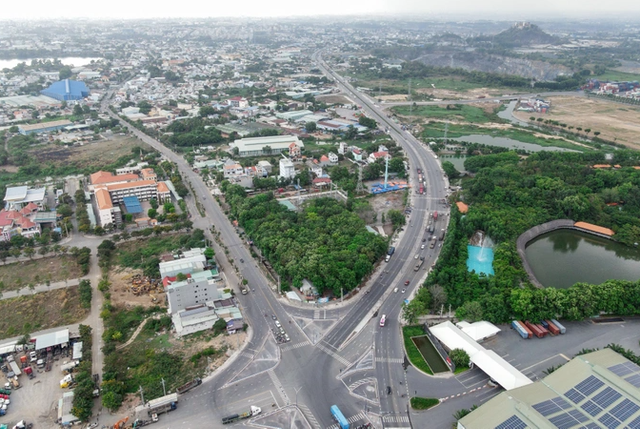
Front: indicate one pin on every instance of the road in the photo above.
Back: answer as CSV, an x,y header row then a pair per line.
x,y
488,99
307,370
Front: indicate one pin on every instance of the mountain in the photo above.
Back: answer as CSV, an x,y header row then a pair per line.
x,y
524,34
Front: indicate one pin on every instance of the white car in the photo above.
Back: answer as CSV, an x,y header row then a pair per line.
x,y
422,247
417,256
278,324
395,290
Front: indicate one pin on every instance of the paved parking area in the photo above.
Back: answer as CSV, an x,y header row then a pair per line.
x,y
36,401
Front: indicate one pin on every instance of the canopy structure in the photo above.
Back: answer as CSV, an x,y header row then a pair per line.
x,y
488,361
53,339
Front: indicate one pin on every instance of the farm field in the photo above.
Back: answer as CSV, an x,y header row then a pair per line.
x,y
615,121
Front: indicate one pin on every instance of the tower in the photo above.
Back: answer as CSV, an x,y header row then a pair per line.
x,y
359,187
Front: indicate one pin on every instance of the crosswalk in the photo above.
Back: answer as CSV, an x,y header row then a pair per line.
x,y
295,346
361,382
333,354
389,360
309,415
279,387
316,314
395,419
358,417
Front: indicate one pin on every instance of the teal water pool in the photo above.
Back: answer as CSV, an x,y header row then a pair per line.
x,y
480,260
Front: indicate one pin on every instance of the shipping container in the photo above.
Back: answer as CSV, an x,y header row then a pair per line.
x,y
520,330
552,328
545,324
534,329
544,330
559,326
526,328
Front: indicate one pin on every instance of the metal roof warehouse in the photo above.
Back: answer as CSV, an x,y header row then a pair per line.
x,y
254,146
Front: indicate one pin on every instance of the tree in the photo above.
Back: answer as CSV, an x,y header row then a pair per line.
x,y
208,253
152,213
596,133
65,73
65,210
412,310
471,311
450,170
367,122
460,358
77,110
29,252
310,126
587,130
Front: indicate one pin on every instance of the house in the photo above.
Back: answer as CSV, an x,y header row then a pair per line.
x,y
376,156
321,182
13,223
294,151
343,148
238,102
317,170
357,154
266,166
232,169
198,288
324,161
287,170
333,158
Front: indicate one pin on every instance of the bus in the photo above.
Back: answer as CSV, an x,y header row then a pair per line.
x,y
383,320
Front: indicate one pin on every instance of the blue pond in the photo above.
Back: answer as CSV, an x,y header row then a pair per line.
x,y
480,260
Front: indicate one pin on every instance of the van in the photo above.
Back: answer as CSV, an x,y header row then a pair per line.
x,y
387,258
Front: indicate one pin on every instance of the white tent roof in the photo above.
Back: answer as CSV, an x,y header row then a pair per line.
x,y
478,330
487,360
52,339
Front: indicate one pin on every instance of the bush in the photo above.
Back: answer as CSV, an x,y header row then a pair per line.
x,y
460,358
423,403
85,293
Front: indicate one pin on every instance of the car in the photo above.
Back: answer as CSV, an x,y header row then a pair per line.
x,y
424,239
278,324
286,337
388,390
422,258
274,317
417,256
422,247
403,290
242,260
395,289
406,283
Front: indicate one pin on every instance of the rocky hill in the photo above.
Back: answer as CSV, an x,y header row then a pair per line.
x,y
524,34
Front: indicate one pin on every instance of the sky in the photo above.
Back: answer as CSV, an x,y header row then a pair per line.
x,y
465,9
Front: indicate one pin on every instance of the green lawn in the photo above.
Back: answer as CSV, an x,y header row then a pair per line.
x,y
418,403
414,355
461,112
401,86
614,75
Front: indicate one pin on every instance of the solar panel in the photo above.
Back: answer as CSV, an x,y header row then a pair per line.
x,y
589,385
607,397
591,426
568,420
512,422
624,410
551,406
634,379
620,369
591,408
574,396
635,423
609,421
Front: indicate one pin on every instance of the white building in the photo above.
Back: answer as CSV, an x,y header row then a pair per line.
x,y
232,169
287,170
333,158
190,263
200,288
343,148
19,196
255,146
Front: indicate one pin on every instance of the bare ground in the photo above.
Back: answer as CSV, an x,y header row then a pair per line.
x,y
122,295
53,268
615,121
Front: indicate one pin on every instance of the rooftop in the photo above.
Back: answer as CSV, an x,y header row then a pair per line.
x,y
44,125
594,228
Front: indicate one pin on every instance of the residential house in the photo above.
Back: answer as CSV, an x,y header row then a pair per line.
x,y
333,158
376,156
287,169
357,154
343,148
295,152
265,165
324,161
232,169
238,102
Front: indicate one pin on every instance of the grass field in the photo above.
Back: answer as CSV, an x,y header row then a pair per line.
x,y
467,113
418,403
38,271
401,86
91,155
614,75
44,310
414,355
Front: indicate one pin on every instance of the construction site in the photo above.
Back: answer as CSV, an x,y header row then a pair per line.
x,y
130,288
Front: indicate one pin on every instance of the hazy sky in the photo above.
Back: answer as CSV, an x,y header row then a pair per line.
x,y
127,9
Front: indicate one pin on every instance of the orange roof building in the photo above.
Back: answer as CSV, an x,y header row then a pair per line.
x,y
599,166
462,207
106,177
594,228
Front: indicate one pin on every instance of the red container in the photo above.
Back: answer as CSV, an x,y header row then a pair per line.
x,y
553,328
526,328
542,328
534,329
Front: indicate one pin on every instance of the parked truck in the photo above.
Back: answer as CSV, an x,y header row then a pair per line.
x,y
163,404
339,417
69,366
188,386
253,411
520,330
15,368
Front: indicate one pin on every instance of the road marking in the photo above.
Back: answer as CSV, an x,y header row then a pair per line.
x,y
352,419
295,346
276,382
389,360
395,419
309,415
334,355
316,314
464,393
358,383
538,363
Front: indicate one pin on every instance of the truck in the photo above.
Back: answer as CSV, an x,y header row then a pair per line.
x,y
421,191
520,330
418,265
433,243
339,417
561,327
253,411
69,366
441,235
15,368
163,404
188,386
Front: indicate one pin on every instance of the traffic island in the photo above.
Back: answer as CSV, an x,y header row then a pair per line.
x,y
418,403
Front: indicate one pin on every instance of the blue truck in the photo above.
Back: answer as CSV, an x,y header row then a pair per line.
x,y
337,414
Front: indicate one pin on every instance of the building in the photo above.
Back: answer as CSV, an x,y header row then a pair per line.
x,y
13,222
17,197
107,213
199,288
594,390
191,261
295,151
373,157
67,90
65,407
333,158
287,170
238,102
194,319
45,127
260,146
131,169
293,115
232,169
343,148
266,166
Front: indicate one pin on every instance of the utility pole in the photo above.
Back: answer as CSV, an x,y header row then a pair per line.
x,y
164,389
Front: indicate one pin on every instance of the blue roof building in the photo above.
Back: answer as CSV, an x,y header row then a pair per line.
x,y
66,90
132,204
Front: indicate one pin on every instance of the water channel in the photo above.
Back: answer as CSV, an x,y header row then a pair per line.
x,y
508,143
564,257
67,61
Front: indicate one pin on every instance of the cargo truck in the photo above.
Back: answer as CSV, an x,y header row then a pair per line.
x,y
163,404
339,417
254,411
435,215
561,327
69,366
190,385
15,368
520,330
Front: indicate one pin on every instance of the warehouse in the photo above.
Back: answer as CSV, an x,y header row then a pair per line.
x,y
66,90
45,127
255,146
594,390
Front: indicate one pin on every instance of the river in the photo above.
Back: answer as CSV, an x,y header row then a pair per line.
x,y
508,143
564,257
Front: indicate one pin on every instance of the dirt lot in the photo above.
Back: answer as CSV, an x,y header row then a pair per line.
x,y
95,154
382,203
122,295
54,268
334,99
615,121
43,310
